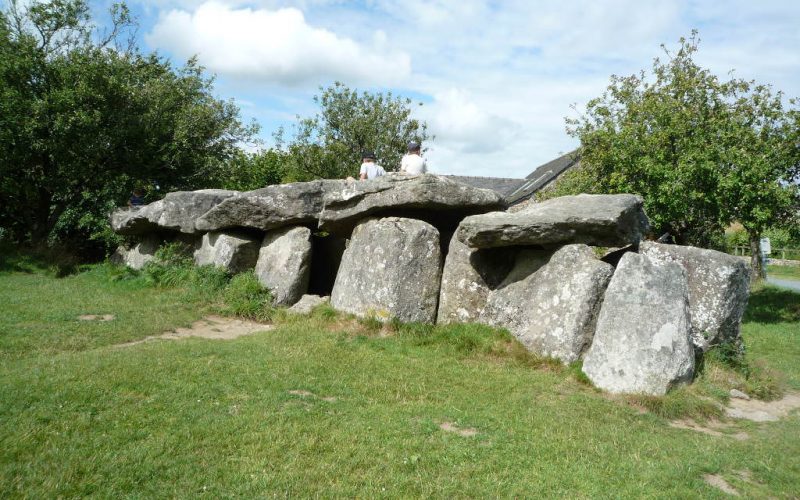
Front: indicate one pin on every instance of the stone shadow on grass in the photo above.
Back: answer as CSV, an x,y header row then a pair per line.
x,y
772,305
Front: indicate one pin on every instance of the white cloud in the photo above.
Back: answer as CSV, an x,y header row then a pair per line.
x,y
456,119
276,46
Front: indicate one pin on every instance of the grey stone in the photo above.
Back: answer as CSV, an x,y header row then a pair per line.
x,y
181,209
642,341
468,277
735,393
719,286
284,262
307,303
135,221
293,204
391,268
178,211
139,254
235,252
435,199
600,220
554,309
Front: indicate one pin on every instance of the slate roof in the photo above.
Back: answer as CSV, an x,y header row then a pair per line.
x,y
544,175
499,185
518,190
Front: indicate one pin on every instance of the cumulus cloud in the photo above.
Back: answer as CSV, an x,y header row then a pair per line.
x,y
276,46
465,125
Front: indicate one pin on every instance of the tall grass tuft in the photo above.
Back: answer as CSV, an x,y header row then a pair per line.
x,y
245,297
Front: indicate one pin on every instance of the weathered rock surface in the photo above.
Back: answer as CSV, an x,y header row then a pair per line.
x,y
391,268
468,277
427,197
601,220
642,341
236,252
284,264
178,211
181,209
307,303
139,254
134,221
553,311
719,286
271,207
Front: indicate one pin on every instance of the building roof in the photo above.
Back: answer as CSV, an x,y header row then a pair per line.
x,y
518,190
502,186
544,175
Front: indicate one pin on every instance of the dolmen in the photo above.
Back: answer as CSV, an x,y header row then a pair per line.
x,y
570,277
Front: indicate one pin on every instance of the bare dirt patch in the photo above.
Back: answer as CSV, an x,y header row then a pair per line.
x,y
464,432
211,327
721,484
305,394
712,428
96,317
763,411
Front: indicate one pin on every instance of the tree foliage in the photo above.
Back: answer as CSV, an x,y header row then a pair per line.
x,y
85,117
703,152
330,144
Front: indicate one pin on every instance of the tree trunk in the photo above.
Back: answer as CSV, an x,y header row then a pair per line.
x,y
756,259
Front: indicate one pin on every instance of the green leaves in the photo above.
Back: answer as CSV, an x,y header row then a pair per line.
x,y
329,144
702,152
82,124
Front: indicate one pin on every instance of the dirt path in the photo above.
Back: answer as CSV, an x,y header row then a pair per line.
x,y
210,327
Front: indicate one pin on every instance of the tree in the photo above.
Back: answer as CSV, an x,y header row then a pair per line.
x,y
85,117
330,144
702,152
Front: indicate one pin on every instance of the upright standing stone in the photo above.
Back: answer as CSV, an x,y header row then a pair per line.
x,y
719,286
391,268
642,342
139,254
284,263
468,277
554,310
235,252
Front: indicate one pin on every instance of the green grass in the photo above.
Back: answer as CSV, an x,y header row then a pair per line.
x,y
224,418
786,272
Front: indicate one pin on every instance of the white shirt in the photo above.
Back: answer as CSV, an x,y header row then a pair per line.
x,y
372,169
413,164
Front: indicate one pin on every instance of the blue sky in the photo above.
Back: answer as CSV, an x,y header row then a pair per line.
x,y
496,78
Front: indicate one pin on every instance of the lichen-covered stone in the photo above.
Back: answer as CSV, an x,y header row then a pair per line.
x,y
601,220
178,211
307,303
428,197
271,207
553,310
139,254
391,268
719,286
642,341
235,252
284,263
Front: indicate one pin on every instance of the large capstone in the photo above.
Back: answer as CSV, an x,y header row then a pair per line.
x,y
600,220
432,198
284,263
719,286
468,277
391,268
235,252
553,311
178,211
137,255
135,221
642,341
293,204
